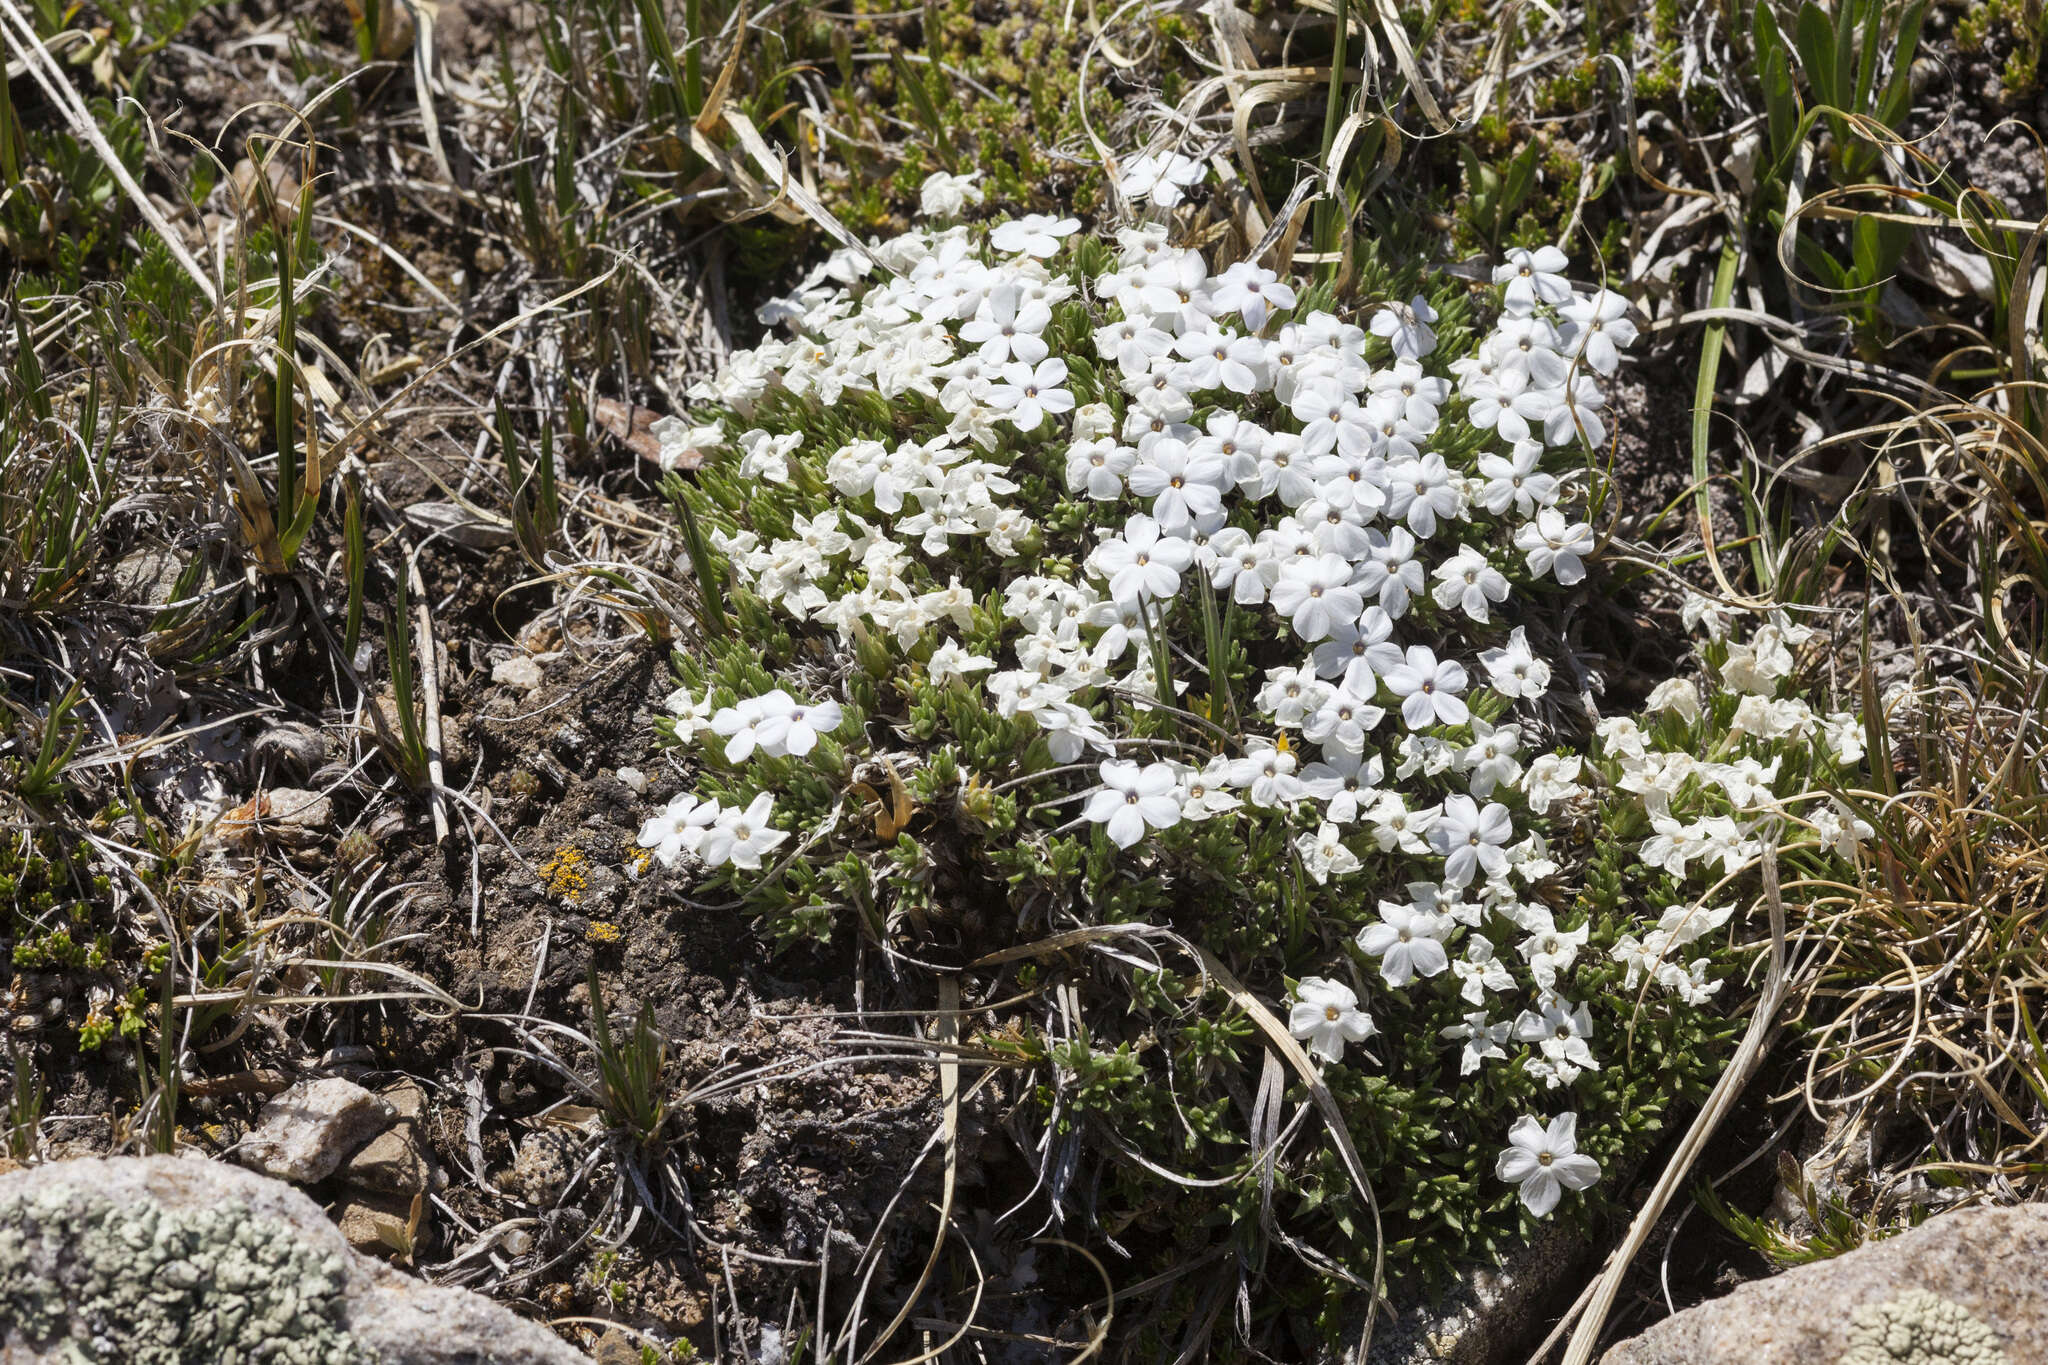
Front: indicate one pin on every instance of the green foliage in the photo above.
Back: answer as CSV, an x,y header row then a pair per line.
x,y
1831,1227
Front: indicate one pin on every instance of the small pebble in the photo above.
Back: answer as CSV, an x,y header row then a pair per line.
x,y
519,671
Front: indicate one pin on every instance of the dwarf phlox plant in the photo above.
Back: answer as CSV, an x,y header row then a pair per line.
x,y
1101,582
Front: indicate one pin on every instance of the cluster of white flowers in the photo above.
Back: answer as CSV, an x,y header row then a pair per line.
x,y
737,835
1377,516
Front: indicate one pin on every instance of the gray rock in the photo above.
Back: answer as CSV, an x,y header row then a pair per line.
x,y
519,673
1488,1314
391,1162
304,1134
163,1261
1965,1288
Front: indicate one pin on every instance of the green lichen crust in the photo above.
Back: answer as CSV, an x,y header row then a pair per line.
x,y
1919,1328
86,1279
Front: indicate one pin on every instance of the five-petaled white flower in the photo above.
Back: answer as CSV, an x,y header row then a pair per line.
x,y
1555,546
1143,561
1533,277
1133,798
1472,840
944,195
1035,234
1252,292
1408,941
1326,1016
1407,329
1164,179
1428,689
678,828
740,837
1028,393
1545,1161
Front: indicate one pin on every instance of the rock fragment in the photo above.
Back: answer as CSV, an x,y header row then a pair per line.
x,y
1964,1288
304,1134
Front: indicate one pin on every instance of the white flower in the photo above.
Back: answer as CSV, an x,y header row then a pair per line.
x,y
1098,467
788,726
1214,358
1133,798
1163,179
1675,694
1027,394
1533,277
692,714
1008,328
1471,839
1207,792
944,195
1251,292
766,456
1142,562
1845,736
1467,581
1490,759
1480,971
1407,329
1482,1038
1266,775
678,828
776,723
679,440
1598,324
1516,481
1421,491
1183,485
1548,949
1394,825
951,663
1560,1032
1756,667
1343,723
1035,234
1343,782
1671,846
1546,1162
1552,778
1326,1017
1408,941
740,837
739,724
1554,546
1317,595
1324,855
1428,689
1514,671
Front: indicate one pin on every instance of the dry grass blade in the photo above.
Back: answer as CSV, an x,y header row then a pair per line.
x,y
947,1031
1585,1339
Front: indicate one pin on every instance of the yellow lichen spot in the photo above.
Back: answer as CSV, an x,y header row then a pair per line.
x,y
563,876
637,861
602,931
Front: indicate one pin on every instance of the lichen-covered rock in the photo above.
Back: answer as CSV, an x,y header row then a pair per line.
x,y
304,1134
1962,1289
1919,1328
162,1261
